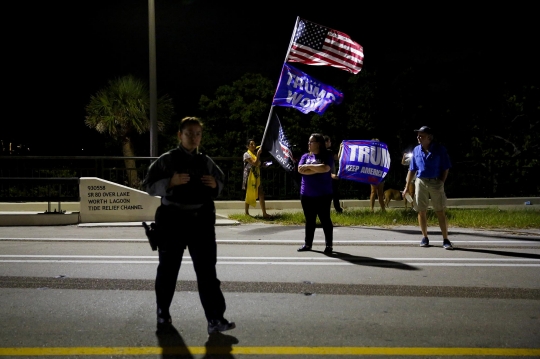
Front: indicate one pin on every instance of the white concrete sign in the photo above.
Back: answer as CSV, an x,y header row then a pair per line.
x,y
104,201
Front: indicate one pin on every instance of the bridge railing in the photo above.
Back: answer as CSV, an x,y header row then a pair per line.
x,y
466,180
41,170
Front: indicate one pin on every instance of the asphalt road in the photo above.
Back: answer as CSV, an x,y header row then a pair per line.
x,y
71,290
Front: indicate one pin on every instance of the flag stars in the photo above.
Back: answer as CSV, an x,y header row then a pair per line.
x,y
311,35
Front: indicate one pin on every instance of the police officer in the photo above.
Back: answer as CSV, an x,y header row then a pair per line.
x,y
187,182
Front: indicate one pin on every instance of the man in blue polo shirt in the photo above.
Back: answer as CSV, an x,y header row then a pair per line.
x,y
431,164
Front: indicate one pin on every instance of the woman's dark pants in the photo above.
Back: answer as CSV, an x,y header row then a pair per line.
x,y
317,207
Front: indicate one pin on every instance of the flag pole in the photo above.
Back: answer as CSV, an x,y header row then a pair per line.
x,y
286,55
267,124
292,37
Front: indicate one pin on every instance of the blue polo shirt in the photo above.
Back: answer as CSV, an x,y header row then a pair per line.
x,y
431,164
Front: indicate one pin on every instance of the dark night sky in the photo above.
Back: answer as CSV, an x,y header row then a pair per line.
x,y
58,54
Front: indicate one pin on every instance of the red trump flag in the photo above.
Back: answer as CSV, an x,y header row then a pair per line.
x,y
313,44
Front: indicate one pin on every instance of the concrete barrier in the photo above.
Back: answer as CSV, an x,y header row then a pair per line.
x,y
28,218
103,201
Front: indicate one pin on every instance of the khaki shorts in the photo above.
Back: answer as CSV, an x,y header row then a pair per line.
x,y
426,189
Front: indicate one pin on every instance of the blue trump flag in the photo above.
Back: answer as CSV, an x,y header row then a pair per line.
x,y
298,90
364,161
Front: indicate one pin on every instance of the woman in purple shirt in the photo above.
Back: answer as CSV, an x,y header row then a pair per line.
x,y
316,190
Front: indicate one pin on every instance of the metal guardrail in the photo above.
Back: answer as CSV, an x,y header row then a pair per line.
x,y
278,184
34,189
466,179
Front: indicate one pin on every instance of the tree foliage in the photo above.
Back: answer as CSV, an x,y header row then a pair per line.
x,y
490,127
121,111
237,112
507,149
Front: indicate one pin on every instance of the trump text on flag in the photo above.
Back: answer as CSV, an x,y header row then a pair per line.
x,y
298,90
364,161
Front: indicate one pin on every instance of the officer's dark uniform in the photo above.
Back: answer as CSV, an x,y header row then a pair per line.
x,y
186,218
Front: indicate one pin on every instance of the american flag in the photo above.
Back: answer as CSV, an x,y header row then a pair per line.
x,y
284,143
314,44
276,143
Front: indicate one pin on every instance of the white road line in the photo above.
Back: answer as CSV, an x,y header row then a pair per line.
x,y
76,239
73,256
282,263
274,241
340,263
321,242
279,258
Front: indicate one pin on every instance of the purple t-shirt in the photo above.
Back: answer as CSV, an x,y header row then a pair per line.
x,y
318,184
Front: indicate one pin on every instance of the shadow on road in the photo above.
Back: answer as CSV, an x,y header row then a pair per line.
x,y
367,261
172,343
522,236
269,230
500,253
499,234
218,345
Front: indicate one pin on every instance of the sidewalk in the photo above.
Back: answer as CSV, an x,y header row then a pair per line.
x,y
226,208
32,214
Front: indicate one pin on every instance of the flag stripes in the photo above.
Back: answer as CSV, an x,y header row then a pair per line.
x,y
314,44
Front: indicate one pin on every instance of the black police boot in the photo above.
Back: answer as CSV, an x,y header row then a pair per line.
x,y
163,318
220,325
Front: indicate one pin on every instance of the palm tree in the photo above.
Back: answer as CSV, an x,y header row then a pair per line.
x,y
122,110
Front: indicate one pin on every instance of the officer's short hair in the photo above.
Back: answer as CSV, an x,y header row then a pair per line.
x,y
186,121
